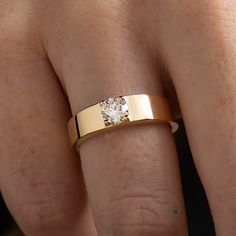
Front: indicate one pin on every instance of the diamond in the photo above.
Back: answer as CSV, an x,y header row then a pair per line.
x,y
114,110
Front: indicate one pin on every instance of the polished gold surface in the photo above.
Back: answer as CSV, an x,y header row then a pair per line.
x,y
142,108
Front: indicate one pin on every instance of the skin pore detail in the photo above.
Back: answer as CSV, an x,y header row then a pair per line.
x,y
124,182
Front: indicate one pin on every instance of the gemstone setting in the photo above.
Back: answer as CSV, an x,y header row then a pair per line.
x,y
114,110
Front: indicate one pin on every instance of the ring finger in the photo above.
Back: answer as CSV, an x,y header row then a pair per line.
x,y
131,174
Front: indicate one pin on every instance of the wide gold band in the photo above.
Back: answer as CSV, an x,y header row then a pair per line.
x,y
141,108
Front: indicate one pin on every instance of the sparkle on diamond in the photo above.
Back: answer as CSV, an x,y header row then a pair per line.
x,y
114,110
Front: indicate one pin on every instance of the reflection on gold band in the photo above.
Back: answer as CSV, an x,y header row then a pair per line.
x,y
142,108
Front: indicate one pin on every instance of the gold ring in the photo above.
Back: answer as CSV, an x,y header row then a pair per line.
x,y
117,112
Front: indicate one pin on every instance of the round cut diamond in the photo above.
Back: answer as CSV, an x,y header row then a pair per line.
x,y
114,110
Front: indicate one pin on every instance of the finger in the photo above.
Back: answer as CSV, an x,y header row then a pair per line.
x,y
131,174
40,176
205,81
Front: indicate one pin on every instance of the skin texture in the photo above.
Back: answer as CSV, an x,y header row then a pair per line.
x,y
57,55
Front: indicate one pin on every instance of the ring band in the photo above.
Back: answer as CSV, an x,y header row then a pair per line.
x,y
117,112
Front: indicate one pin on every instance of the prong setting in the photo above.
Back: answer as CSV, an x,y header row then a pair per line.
x,y
114,110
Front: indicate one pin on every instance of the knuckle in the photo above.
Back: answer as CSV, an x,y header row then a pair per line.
x,y
44,214
202,14
141,215
10,25
18,30
89,20
40,215
97,14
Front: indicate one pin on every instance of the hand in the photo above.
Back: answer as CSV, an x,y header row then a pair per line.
x,y
128,180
